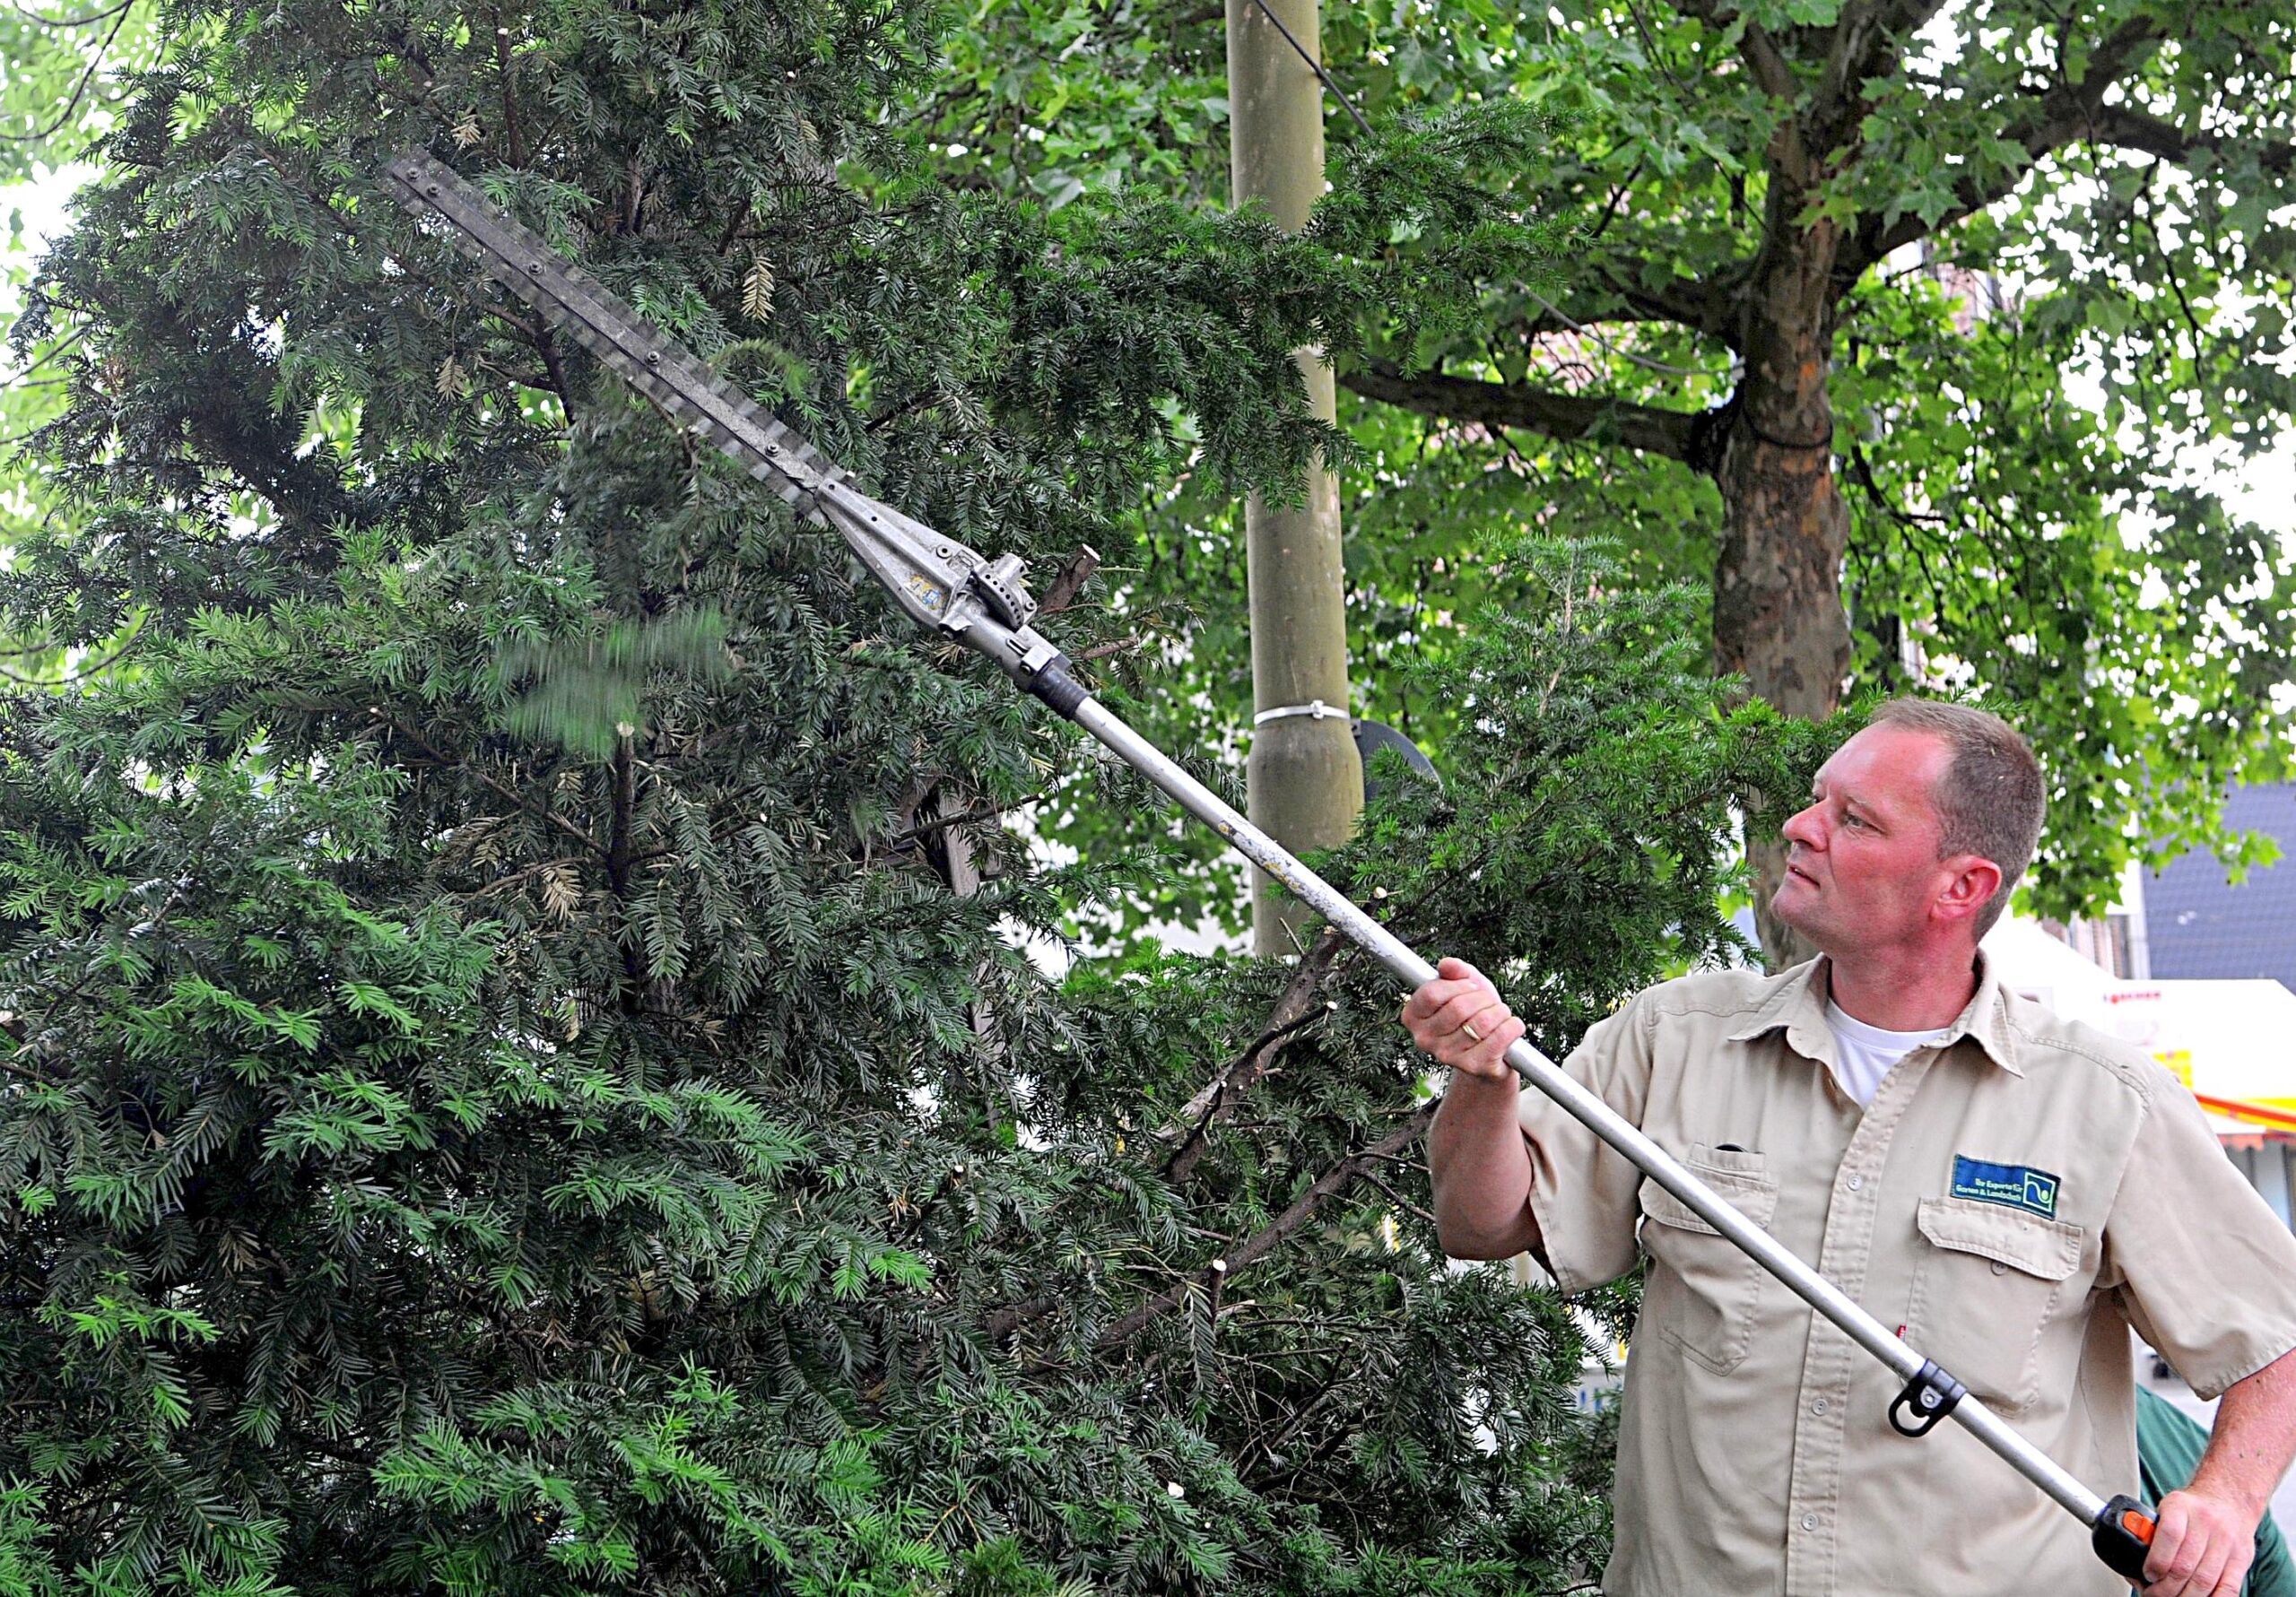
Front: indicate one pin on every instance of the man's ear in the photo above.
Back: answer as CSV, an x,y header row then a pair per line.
x,y
1975,880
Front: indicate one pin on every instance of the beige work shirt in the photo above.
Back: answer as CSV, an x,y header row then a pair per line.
x,y
2016,1198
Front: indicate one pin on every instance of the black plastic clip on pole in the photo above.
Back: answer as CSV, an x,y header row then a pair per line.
x,y
1928,1397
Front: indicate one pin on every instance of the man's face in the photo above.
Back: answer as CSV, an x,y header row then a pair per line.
x,y
1862,866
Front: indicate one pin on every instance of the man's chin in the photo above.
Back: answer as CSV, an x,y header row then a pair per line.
x,y
1794,904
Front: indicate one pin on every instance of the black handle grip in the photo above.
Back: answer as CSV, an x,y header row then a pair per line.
x,y
2122,1536
1054,685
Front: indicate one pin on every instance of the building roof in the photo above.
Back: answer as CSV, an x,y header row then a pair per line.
x,y
2198,924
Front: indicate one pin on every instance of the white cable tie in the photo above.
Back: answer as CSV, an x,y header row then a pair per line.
x,y
1315,709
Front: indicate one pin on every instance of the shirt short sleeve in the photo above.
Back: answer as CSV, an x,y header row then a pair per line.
x,y
1583,1191
2204,1270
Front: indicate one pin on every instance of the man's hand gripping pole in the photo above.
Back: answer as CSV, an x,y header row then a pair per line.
x,y
951,589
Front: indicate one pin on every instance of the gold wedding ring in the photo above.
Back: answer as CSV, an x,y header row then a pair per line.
x,y
1468,1027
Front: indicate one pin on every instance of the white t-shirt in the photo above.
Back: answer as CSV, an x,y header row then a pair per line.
x,y
1864,1054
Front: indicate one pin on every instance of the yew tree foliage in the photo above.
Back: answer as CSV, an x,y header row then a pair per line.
x,y
499,1093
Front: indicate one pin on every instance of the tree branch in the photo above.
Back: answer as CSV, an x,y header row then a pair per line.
x,y
79,90
1764,60
2061,114
1756,48
1703,306
2126,129
1860,50
1566,417
1265,1241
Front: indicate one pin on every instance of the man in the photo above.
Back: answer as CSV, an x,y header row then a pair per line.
x,y
2013,1189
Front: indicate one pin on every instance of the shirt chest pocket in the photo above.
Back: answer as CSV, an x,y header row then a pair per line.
x,y
1702,1288
1987,1282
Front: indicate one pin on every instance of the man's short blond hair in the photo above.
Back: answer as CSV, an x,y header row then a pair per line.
x,y
1990,801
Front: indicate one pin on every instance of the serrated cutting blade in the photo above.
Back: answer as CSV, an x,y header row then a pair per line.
x,y
923,570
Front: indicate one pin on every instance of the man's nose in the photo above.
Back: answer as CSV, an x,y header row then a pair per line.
x,y
1803,827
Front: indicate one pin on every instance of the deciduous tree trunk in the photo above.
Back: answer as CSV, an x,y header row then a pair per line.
x,y
1778,615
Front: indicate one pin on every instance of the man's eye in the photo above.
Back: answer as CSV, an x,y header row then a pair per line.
x,y
1853,821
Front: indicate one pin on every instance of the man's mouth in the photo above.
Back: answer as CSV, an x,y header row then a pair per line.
x,y
1805,875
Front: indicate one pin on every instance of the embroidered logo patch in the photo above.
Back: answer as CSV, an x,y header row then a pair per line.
x,y
2017,1186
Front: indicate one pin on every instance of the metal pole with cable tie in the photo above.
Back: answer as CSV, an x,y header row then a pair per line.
x,y
985,605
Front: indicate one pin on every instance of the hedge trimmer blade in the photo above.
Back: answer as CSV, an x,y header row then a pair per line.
x,y
940,583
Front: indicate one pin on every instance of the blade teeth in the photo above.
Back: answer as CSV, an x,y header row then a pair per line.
x,y
573,300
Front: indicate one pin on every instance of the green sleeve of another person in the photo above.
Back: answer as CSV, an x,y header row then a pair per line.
x,y
2169,1446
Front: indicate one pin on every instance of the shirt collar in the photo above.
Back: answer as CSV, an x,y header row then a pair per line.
x,y
1797,1004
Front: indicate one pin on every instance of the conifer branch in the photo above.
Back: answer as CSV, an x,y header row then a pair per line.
x,y
625,803
9,1067
511,141
984,810
1069,581
1296,1008
63,347
491,783
733,228
547,347
1265,1241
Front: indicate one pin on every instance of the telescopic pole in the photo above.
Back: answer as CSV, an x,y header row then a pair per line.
x,y
2121,1528
949,588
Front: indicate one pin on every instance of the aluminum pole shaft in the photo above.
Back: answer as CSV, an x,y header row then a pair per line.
x,y
1599,1118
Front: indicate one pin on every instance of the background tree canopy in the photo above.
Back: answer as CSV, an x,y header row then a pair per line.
x,y
458,1133
1851,273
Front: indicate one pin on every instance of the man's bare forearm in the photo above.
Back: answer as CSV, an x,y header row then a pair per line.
x,y
2204,1538
1481,1171
2254,1438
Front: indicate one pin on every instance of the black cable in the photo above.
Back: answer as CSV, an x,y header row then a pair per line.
x,y
1314,66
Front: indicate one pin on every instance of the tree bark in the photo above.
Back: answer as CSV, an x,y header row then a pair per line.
x,y
1779,620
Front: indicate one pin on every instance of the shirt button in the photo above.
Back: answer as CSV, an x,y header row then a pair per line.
x,y
1818,1407
1809,1521
1856,1182
1999,1268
